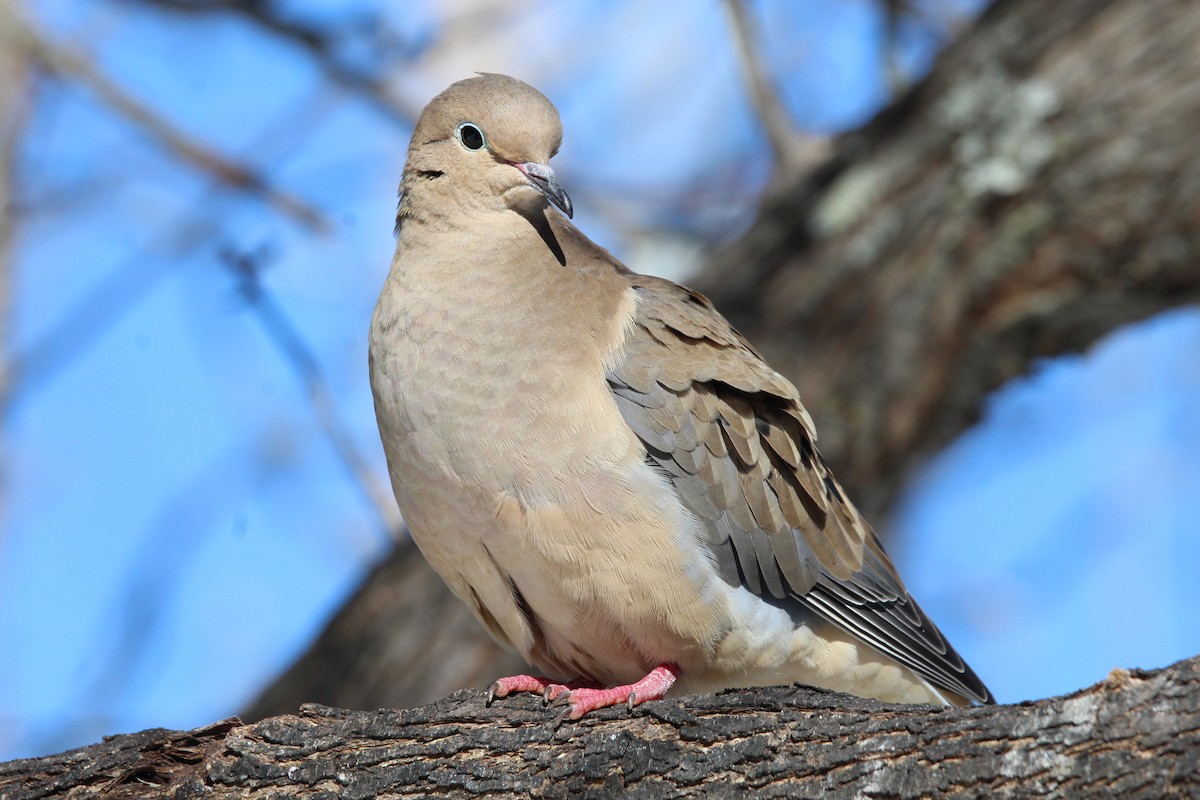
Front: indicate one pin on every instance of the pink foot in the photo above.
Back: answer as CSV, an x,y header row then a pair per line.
x,y
583,696
652,687
548,689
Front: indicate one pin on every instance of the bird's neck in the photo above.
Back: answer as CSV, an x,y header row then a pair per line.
x,y
446,275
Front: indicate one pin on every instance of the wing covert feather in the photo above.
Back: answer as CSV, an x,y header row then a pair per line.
x,y
732,436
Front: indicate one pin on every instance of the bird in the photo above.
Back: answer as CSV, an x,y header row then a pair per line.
x,y
599,465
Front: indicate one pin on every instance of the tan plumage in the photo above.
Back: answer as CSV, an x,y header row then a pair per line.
x,y
604,470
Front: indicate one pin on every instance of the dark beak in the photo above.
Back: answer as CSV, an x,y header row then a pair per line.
x,y
542,178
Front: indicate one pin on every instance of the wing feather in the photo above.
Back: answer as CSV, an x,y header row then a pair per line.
x,y
731,435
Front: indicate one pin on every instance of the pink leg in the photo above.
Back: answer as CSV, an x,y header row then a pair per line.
x,y
652,687
548,689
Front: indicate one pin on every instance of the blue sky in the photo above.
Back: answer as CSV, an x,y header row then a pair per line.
x,y
176,526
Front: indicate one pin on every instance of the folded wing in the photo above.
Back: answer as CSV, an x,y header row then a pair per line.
x,y
738,446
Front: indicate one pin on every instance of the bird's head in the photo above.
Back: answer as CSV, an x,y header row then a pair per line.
x,y
488,141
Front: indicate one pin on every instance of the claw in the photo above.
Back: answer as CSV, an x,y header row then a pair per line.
x,y
581,696
560,718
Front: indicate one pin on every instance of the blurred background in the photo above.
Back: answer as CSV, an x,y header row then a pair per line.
x,y
970,234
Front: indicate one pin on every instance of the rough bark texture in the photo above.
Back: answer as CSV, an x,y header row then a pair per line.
x,y
1037,190
1040,188
1136,735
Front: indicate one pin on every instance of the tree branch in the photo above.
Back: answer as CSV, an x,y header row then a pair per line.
x,y
15,32
794,153
246,267
14,115
314,40
1135,735
1021,202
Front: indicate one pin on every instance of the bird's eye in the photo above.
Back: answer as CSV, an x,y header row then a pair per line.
x,y
470,136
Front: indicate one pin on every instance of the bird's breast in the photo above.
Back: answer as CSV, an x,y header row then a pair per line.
x,y
499,378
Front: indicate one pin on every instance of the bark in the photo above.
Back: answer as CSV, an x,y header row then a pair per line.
x,y
1135,735
1038,189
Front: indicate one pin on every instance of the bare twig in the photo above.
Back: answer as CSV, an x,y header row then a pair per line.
x,y
16,33
894,12
299,356
126,285
317,41
936,19
14,113
80,325
794,152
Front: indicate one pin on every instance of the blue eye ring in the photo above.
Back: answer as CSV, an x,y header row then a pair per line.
x,y
470,136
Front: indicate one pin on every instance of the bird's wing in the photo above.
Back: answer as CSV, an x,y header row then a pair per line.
x,y
738,446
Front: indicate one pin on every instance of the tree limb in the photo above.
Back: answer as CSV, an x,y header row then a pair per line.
x,y
14,115
297,354
1135,735
794,152
1036,191
17,33
314,40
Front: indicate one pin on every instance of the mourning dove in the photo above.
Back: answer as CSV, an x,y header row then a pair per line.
x,y
598,464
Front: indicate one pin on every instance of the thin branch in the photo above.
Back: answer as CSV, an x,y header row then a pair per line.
x,y
126,285
15,105
939,20
247,268
314,40
80,326
17,33
794,152
894,12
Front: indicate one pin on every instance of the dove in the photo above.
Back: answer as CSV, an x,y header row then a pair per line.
x,y
596,463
